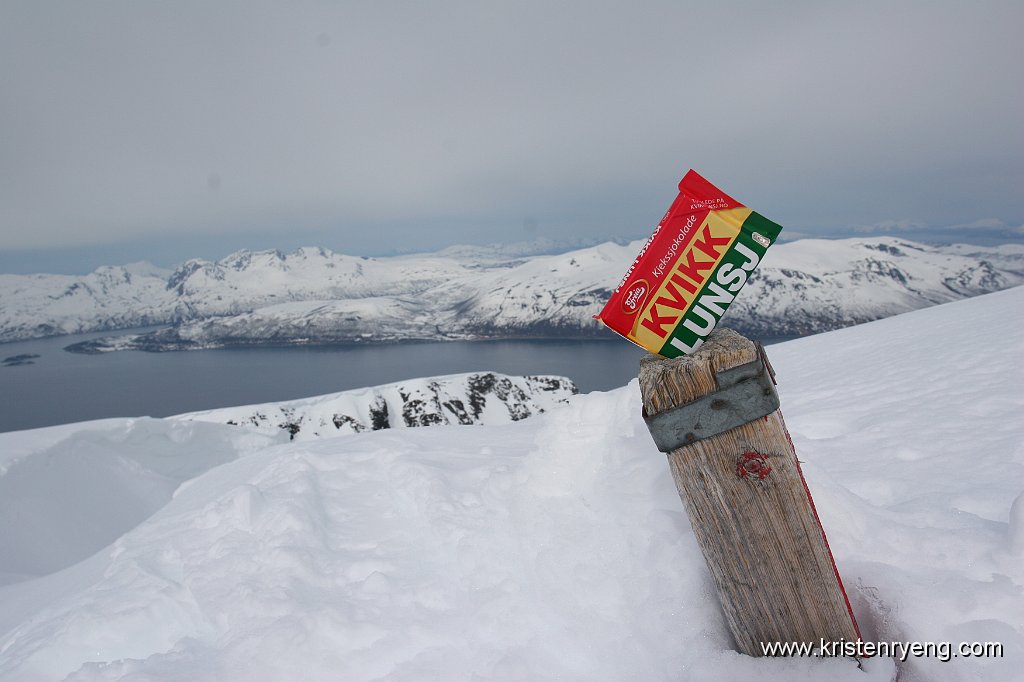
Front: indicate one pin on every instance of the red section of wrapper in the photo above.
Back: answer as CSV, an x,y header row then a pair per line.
x,y
696,194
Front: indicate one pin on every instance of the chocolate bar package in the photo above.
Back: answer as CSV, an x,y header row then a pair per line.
x,y
689,271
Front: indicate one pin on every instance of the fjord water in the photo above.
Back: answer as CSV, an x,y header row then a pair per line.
x,y
60,387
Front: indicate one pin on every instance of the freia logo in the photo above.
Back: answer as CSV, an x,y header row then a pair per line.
x,y
635,297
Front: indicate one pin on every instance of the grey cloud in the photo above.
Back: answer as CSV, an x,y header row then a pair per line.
x,y
382,123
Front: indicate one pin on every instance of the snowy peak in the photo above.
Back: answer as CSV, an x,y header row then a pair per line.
x,y
482,398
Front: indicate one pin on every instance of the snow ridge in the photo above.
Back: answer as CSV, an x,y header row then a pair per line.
x,y
481,398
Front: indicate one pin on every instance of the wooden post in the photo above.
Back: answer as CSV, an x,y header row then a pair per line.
x,y
746,497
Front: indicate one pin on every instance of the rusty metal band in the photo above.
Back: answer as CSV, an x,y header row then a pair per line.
x,y
744,394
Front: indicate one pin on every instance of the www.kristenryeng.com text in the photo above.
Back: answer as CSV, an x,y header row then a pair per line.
x,y
944,651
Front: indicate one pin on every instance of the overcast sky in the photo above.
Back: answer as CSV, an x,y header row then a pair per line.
x,y
160,131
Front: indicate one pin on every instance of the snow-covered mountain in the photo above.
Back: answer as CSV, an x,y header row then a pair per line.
x,y
33,306
551,548
315,296
118,298
481,398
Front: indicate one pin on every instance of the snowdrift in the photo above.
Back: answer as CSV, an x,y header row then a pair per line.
x,y
551,548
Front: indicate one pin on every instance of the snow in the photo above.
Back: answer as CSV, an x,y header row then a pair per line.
x,y
550,548
82,486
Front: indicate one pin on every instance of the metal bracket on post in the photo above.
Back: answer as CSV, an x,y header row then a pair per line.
x,y
744,393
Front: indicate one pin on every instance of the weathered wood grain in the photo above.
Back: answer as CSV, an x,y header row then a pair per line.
x,y
760,536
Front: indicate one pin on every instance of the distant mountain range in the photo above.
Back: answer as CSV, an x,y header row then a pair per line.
x,y
315,296
483,398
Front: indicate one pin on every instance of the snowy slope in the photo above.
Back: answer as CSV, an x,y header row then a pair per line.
x,y
483,398
552,548
110,298
362,320
545,295
818,285
316,296
247,280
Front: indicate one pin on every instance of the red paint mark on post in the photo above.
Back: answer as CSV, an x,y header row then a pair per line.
x,y
752,464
